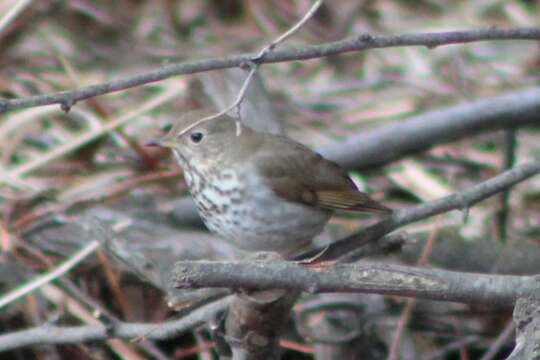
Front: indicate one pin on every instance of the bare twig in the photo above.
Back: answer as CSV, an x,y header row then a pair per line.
x,y
289,32
355,43
510,147
22,170
235,104
50,276
254,66
462,200
375,147
75,308
376,278
410,303
386,143
495,347
13,13
443,351
253,323
47,334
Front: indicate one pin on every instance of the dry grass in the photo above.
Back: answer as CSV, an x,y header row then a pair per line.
x,y
55,164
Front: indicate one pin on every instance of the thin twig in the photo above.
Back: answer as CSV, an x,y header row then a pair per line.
x,y
13,13
50,276
494,348
351,44
393,354
289,32
269,318
253,64
411,302
47,334
78,310
454,345
510,145
236,103
377,278
22,170
375,147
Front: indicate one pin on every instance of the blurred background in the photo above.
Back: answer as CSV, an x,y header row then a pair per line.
x,y
59,169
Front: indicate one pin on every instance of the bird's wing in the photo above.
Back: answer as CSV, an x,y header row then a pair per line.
x,y
296,173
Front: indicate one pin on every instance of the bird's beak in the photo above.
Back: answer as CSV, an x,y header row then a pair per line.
x,y
155,142
163,142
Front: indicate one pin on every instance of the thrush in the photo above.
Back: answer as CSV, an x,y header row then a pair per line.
x,y
259,191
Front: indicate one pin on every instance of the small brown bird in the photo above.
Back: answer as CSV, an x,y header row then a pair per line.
x,y
259,191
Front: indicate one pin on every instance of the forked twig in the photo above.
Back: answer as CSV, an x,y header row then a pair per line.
x,y
253,65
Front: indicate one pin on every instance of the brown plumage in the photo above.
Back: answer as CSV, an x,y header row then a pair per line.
x,y
296,173
260,191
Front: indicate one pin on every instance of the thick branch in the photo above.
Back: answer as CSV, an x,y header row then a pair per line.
x,y
46,334
527,320
378,278
462,200
355,43
390,142
255,321
432,284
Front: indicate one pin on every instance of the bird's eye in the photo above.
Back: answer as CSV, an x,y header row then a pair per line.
x,y
196,137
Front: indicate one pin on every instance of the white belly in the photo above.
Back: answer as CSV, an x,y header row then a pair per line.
x,y
254,218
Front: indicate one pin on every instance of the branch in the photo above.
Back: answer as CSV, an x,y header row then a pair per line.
x,y
426,283
12,13
356,43
390,142
255,321
377,278
527,320
380,145
254,66
47,334
55,273
462,200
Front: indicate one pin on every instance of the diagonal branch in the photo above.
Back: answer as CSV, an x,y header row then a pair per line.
x,y
355,43
462,200
377,278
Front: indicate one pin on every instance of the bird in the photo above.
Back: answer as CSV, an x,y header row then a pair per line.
x,y
258,191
